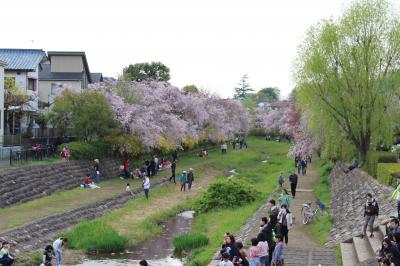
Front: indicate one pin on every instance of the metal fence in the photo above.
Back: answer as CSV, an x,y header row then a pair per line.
x,y
36,153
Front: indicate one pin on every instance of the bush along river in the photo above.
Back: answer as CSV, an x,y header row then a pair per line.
x,y
157,251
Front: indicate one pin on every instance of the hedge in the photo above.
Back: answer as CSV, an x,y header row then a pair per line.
x,y
386,171
375,157
86,151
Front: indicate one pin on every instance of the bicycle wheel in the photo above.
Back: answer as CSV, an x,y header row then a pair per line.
x,y
306,217
304,210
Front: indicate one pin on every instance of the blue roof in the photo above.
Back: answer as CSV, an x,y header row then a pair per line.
x,y
96,77
22,59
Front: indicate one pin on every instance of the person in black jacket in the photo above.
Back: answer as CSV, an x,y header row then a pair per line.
x,y
371,210
173,168
389,251
293,178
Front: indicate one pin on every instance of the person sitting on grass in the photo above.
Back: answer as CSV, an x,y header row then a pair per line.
x,y
129,189
89,183
47,256
5,258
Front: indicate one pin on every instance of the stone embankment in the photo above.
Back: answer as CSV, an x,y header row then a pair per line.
x,y
348,198
27,183
37,234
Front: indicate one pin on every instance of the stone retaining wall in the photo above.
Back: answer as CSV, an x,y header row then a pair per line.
x,y
348,196
27,183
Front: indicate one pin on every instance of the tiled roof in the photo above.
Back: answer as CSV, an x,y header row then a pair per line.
x,y
46,74
96,77
22,59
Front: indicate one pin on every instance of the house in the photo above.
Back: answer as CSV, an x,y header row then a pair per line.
x,y
23,66
69,69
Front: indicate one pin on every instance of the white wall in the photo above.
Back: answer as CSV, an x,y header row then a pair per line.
x,y
66,64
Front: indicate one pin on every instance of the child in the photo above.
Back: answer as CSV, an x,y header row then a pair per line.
x,y
263,245
285,199
47,256
183,180
129,190
277,256
281,180
254,253
225,260
5,257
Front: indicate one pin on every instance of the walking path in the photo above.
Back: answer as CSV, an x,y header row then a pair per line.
x,y
302,250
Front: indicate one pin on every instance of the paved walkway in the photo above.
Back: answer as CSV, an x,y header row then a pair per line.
x,y
301,250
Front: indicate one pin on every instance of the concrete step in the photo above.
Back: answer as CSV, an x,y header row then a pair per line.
x,y
376,241
382,229
363,248
349,256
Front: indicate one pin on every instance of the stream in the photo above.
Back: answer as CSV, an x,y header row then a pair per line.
x,y
157,251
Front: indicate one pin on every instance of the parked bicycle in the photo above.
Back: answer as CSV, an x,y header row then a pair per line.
x,y
307,213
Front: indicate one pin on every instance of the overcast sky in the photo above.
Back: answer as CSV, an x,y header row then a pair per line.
x,y
209,43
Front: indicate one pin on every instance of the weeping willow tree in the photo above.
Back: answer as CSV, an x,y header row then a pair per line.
x,y
347,75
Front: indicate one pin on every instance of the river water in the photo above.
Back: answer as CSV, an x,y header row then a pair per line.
x,y
157,251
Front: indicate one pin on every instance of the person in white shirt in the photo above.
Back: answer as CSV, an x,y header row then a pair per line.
x,y
57,247
146,186
129,189
225,260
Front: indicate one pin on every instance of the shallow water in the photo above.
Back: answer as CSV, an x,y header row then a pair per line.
x,y
158,251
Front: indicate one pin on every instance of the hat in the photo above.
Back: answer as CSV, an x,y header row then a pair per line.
x,y
190,169
184,172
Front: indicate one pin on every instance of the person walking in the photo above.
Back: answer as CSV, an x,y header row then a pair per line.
x,y
57,247
304,166
190,178
183,180
173,169
281,179
293,178
371,210
146,186
285,199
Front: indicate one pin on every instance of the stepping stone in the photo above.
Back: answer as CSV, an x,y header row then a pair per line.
x,y
304,190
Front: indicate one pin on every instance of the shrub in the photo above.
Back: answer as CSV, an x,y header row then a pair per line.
x,y
385,173
95,236
376,157
86,150
226,194
189,241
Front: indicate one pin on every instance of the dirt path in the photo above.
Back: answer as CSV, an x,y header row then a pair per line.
x,y
302,249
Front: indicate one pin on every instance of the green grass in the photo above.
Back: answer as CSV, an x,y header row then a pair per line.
x,y
48,160
187,242
339,261
95,236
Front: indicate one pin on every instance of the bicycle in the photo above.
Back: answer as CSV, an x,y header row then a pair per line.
x,y
308,213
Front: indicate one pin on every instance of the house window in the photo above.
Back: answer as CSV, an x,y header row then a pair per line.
x,y
32,84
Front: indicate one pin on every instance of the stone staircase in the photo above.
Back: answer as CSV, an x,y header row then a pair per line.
x,y
362,251
24,184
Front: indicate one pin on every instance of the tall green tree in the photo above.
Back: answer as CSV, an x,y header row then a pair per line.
x,y
88,114
146,71
347,73
268,94
243,87
190,89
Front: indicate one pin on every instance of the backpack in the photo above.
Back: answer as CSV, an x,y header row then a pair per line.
x,y
284,220
370,208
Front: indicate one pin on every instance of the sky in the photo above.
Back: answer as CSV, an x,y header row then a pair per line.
x,y
209,43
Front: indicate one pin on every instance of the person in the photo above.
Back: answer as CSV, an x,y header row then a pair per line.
x,y
47,256
153,167
281,179
386,249
190,178
304,166
126,168
148,168
396,240
174,155
223,148
230,247
129,189
264,249
293,178
225,260
285,222
173,168
97,170
143,263
285,199
273,212
393,228
146,186
277,256
64,153
89,183
241,260
205,153
396,196
138,173
267,230
371,210
356,164
156,164
5,258
299,167
183,180
254,253
57,247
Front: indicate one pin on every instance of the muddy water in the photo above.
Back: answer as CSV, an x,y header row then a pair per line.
x,y
157,251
